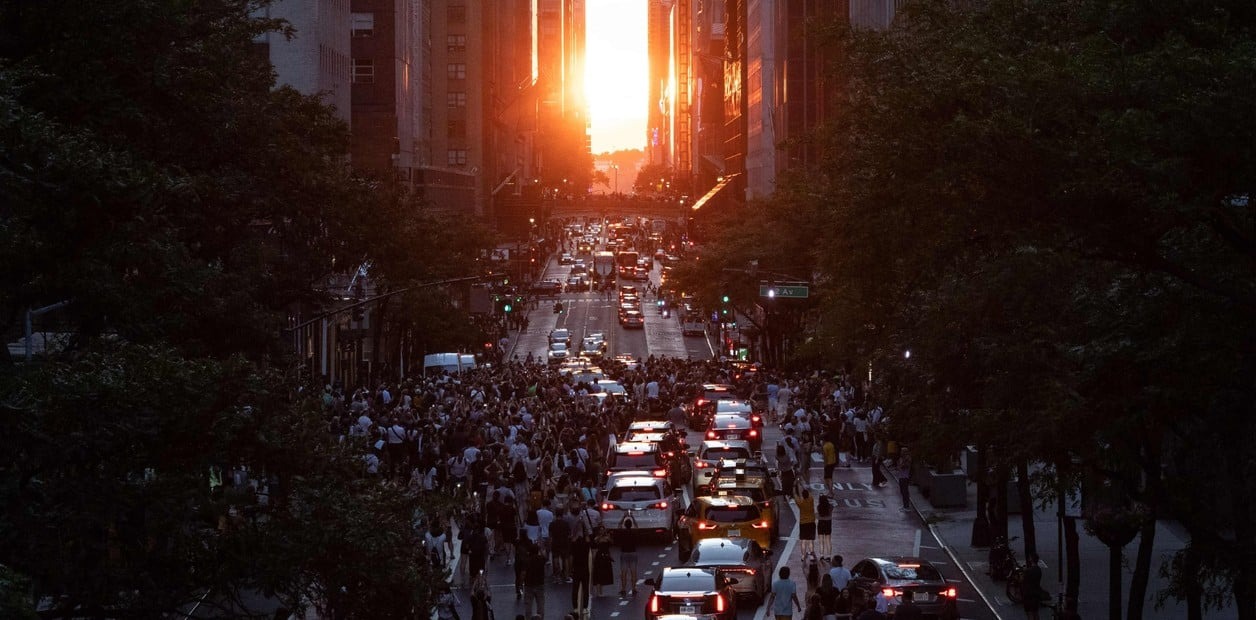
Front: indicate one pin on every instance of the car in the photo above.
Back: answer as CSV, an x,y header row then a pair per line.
x,y
740,407
734,516
562,335
632,318
693,591
646,499
626,307
628,360
711,453
640,273
651,426
590,347
739,558
575,282
587,375
735,426
557,352
627,289
893,576
600,338
565,259
637,456
579,266
755,484
611,386
548,286
659,255
702,409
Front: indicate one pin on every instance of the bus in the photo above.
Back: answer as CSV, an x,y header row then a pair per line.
x,y
626,260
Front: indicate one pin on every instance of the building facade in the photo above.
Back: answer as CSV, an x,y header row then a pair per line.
x,y
316,60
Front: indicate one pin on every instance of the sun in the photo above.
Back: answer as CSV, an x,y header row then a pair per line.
x,y
617,73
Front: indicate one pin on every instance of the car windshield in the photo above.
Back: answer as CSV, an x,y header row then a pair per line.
x,y
732,514
558,346
731,554
715,454
730,406
687,581
754,493
559,334
634,494
922,572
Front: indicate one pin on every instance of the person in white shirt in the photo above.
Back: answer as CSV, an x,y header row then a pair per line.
x,y
652,390
470,454
544,518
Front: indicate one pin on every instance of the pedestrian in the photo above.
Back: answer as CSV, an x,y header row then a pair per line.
x,y
878,453
815,608
784,597
828,597
534,581
481,598
580,573
904,477
628,560
603,565
1031,586
840,574
824,526
830,461
806,522
446,604
560,545
842,609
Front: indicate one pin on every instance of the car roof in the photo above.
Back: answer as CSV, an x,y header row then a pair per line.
x,y
636,446
725,443
725,501
635,480
644,424
717,387
687,569
733,402
720,551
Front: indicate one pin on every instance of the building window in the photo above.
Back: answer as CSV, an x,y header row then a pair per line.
x,y
457,14
457,130
456,157
363,71
363,24
456,100
456,43
457,71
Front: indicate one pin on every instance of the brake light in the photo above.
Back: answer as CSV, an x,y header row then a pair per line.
x,y
659,472
702,525
654,604
950,593
719,603
636,454
762,525
606,506
701,401
711,435
700,463
889,592
754,433
659,506
756,419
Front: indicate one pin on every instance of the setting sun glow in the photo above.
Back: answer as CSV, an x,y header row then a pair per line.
x,y
617,73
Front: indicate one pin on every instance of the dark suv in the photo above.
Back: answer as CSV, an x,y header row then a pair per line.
x,y
692,591
702,409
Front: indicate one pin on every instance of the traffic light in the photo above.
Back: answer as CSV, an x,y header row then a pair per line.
x,y
507,307
724,299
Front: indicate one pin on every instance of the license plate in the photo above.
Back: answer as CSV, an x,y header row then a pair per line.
x,y
688,609
733,435
732,533
924,597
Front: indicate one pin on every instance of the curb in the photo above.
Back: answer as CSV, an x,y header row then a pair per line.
x,y
950,553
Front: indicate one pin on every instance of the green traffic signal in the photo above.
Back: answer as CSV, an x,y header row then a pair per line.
x,y
506,308
724,299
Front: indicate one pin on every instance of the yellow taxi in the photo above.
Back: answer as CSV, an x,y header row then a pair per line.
x,y
735,516
758,488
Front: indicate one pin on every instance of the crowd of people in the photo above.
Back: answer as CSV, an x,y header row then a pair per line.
x,y
523,448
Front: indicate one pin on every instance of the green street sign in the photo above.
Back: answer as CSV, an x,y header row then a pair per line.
x,y
782,291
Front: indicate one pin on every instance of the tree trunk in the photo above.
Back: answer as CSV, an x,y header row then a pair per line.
x,y
998,517
1114,582
1025,495
1072,585
981,525
1142,570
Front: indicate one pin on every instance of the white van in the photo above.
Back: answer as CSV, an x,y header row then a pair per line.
x,y
452,363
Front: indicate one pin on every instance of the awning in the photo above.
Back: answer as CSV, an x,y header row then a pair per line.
x,y
725,182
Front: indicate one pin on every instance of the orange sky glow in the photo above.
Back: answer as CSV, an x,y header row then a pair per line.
x,y
616,74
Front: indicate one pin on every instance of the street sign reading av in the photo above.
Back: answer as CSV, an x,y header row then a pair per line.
x,y
792,291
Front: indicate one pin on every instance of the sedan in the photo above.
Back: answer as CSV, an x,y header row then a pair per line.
x,y
632,318
739,558
894,576
734,426
693,591
558,352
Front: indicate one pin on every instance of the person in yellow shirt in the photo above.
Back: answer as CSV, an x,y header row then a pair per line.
x,y
830,462
806,521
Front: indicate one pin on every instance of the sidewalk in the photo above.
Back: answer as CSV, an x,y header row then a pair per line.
x,y
953,526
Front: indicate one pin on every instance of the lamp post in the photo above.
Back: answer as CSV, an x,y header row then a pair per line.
x,y
615,167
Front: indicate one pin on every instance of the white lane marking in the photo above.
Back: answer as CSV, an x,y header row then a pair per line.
x,y
955,580
622,603
654,563
933,531
915,549
662,555
614,614
783,559
666,549
929,547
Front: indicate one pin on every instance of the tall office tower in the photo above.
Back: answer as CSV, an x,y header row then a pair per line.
x,y
316,59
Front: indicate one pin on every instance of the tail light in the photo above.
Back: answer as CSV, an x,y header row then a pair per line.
x,y
659,506
659,472
753,433
654,604
889,592
950,593
703,525
607,506
762,525
711,435
700,463
756,419
701,401
719,603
